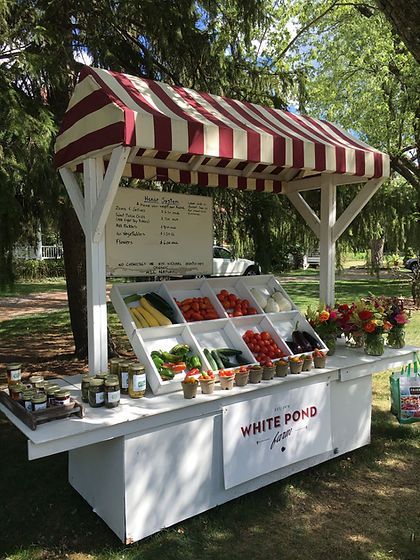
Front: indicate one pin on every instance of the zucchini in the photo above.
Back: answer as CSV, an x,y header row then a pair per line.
x,y
210,358
226,361
131,299
161,305
229,351
242,361
217,359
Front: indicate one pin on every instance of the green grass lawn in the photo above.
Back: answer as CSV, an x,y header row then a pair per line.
x,y
364,505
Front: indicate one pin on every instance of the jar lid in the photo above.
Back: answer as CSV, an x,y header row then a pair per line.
x,y
28,394
18,388
35,378
52,389
103,375
95,382
124,364
39,398
111,381
116,360
137,367
63,393
86,377
13,366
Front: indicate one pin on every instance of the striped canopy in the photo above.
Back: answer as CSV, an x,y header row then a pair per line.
x,y
193,137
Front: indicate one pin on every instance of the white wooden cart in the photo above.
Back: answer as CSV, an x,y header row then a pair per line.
x,y
153,462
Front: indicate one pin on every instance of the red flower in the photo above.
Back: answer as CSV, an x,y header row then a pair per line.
x,y
333,315
370,327
401,319
365,315
343,308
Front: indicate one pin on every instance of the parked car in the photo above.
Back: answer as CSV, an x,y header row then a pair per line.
x,y
412,264
226,264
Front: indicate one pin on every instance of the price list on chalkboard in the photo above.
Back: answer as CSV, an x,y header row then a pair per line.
x,y
151,233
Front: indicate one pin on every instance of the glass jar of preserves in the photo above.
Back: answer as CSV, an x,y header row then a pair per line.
x,y
39,402
85,387
14,373
112,392
96,392
35,379
123,369
27,398
114,365
15,391
62,398
136,381
51,392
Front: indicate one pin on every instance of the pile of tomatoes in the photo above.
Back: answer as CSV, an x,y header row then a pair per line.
x,y
234,306
197,309
262,346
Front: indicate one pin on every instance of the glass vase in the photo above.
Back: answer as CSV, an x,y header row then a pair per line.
x,y
396,337
355,339
330,341
374,344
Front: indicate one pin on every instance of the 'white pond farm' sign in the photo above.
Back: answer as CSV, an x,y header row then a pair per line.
x,y
153,233
267,433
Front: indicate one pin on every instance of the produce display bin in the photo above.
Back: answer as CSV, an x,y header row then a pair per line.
x,y
223,332
285,323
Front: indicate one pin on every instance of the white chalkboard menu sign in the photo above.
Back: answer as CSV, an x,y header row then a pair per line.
x,y
153,233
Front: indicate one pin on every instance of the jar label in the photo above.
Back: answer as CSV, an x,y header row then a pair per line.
x,y
99,398
124,380
113,396
15,374
65,402
28,406
139,382
39,406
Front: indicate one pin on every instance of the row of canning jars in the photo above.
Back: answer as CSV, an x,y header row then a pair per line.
x,y
123,377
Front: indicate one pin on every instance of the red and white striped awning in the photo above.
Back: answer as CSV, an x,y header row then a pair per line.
x,y
198,138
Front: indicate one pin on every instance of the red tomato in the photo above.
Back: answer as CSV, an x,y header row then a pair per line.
x,y
238,314
265,335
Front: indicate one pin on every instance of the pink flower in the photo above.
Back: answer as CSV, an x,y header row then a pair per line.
x,y
401,319
333,315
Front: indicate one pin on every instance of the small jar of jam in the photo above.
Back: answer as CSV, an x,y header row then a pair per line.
x,y
114,365
51,392
62,398
27,395
123,369
39,402
112,392
136,381
96,393
85,387
14,373
16,391
35,379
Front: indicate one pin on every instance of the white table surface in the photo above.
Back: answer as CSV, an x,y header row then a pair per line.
x,y
149,412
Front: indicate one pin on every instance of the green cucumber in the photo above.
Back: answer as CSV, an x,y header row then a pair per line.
x,y
229,351
210,359
217,359
242,361
131,299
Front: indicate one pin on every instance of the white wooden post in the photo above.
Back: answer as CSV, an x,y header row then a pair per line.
x,y
93,173
327,244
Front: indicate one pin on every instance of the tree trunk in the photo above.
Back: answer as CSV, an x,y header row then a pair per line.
x,y
405,18
377,254
73,241
415,287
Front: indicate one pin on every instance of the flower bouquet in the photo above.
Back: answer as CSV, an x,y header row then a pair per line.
x,y
398,318
353,334
369,316
325,321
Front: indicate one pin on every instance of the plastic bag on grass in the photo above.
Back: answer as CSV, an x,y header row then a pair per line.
x,y
405,393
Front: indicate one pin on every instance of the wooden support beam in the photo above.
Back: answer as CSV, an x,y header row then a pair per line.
x,y
93,173
249,169
355,206
305,211
194,163
326,243
108,190
75,194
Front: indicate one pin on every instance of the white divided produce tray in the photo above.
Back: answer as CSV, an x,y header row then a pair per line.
x,y
217,333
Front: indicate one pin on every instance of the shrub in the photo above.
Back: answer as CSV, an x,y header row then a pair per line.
x,y
33,269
